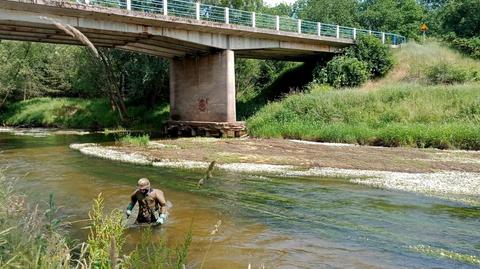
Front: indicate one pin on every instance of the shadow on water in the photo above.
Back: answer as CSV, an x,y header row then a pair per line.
x,y
276,221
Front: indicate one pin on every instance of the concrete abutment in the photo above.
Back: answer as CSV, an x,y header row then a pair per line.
x,y
202,89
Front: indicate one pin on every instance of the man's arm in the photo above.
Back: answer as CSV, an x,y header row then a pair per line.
x,y
161,200
133,201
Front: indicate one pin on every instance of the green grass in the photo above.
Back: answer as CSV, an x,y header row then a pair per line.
x,y
418,104
141,140
416,62
400,115
79,113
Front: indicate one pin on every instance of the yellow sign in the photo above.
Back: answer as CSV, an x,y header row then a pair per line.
x,y
423,27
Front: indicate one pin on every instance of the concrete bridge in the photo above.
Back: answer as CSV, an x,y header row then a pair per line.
x,y
201,41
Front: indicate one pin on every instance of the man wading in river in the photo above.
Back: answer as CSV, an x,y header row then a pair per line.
x,y
149,200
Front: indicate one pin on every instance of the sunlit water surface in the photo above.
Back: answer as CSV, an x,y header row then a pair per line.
x,y
272,221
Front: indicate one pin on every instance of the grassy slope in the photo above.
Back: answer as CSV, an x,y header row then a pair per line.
x,y
77,113
399,110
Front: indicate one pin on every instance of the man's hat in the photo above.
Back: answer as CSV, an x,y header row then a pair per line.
x,y
143,184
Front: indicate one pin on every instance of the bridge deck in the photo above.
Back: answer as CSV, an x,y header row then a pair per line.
x,y
156,34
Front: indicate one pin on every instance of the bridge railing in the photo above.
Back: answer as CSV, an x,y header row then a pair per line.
x,y
199,11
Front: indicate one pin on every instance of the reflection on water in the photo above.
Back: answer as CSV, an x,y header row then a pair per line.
x,y
278,222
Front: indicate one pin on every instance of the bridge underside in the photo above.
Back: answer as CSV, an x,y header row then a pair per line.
x,y
166,46
202,53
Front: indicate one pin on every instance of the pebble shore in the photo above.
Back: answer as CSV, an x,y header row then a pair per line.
x,y
453,185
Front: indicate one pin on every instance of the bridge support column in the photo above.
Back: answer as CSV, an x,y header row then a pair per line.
x,y
202,92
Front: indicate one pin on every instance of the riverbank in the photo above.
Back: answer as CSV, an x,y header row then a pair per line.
x,y
78,113
429,100
454,175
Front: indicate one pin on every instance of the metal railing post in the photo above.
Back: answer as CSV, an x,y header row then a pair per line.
x,y
354,33
277,23
369,32
338,31
129,5
197,10
299,26
227,15
254,20
319,28
383,37
165,8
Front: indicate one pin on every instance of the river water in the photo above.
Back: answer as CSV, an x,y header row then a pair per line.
x,y
276,222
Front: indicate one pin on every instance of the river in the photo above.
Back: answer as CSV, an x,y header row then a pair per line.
x,y
276,222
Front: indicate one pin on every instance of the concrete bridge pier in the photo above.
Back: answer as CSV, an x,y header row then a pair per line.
x,y
202,96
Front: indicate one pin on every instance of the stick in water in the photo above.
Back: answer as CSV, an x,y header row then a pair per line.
x,y
208,174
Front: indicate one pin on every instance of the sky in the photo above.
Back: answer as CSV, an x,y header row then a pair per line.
x,y
276,2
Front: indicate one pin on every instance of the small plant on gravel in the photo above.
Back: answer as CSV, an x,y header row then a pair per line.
x,y
141,140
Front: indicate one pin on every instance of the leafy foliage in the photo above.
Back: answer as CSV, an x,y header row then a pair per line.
x,y
368,58
343,71
461,17
398,16
378,57
106,234
342,12
447,74
79,113
468,46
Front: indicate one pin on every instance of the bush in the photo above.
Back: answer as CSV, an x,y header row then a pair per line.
x,y
343,71
378,57
468,46
444,73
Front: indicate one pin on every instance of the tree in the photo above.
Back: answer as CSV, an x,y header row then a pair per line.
x,y
432,4
35,70
281,9
248,5
342,12
461,17
343,71
398,16
377,57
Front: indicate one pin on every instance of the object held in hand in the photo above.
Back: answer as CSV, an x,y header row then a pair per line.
x,y
161,219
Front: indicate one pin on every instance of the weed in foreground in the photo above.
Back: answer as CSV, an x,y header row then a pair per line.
x,y
35,238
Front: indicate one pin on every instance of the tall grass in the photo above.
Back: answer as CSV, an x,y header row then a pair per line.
x,y
399,115
414,63
155,254
423,102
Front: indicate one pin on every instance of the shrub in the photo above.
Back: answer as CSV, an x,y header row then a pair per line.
x,y
443,73
468,46
378,57
343,71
